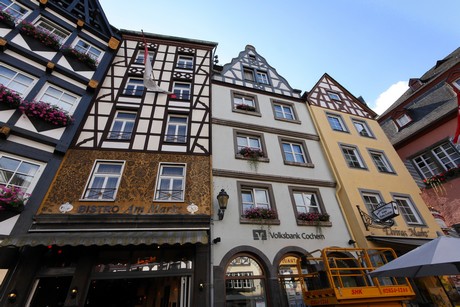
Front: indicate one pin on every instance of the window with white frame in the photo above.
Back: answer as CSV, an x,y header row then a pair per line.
x,y
184,62
262,77
334,96
252,197
182,90
352,157
249,141
14,9
306,202
50,28
176,130
141,55
88,49
58,97
134,87
437,159
19,172
283,111
336,122
371,200
122,126
15,80
403,120
104,181
171,182
408,210
294,152
381,162
362,128
244,102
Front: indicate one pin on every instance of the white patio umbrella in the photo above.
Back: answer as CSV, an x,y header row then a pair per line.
x,y
441,256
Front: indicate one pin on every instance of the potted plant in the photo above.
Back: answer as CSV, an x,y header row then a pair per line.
x,y
12,198
46,112
84,58
313,217
7,19
260,214
253,155
9,98
44,37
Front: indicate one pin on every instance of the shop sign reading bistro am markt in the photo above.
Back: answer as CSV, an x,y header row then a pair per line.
x,y
155,208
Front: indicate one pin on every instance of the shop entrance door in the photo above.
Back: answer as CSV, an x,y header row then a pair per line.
x,y
173,291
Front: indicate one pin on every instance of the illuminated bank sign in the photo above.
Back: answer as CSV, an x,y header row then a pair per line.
x,y
261,234
386,211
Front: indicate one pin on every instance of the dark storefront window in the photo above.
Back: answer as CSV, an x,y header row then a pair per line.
x,y
288,274
50,291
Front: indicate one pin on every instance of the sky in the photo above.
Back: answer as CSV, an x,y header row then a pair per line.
x,y
371,47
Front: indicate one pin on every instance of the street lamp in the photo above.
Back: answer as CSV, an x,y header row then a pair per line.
x,y
222,199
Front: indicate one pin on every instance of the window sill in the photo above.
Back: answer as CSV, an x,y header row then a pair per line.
x,y
96,200
260,221
309,165
261,159
293,121
387,172
252,113
314,223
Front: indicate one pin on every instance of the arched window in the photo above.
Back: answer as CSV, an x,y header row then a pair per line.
x,y
245,282
288,276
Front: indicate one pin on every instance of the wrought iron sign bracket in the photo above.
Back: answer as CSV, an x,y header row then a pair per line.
x,y
370,221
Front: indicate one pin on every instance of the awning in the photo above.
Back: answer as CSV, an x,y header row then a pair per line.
x,y
413,242
107,238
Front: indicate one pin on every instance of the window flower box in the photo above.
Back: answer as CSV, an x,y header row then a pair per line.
x,y
83,58
260,214
12,198
7,19
251,153
245,107
313,217
9,98
44,37
441,178
46,112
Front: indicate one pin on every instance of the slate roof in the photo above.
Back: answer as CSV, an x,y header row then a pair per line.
x,y
437,101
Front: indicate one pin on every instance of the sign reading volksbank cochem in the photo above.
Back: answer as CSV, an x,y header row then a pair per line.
x,y
386,211
261,234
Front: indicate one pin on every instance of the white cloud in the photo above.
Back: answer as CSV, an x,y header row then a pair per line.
x,y
387,98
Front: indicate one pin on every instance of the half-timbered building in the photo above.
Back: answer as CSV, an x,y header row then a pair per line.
x,y
129,210
281,193
53,55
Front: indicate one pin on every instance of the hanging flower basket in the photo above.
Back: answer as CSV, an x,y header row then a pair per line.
x,y
7,19
46,112
260,214
80,57
9,98
12,198
313,217
46,38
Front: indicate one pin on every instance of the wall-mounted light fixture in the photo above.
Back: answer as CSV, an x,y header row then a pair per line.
x,y
216,240
12,296
222,199
74,292
351,242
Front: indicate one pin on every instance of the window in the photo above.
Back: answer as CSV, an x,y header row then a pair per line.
x,y
140,57
252,142
182,90
255,198
262,77
104,181
122,126
16,171
248,74
176,130
408,210
333,96
381,162
243,282
85,48
283,111
134,87
47,27
243,102
362,128
306,202
58,97
14,9
352,157
185,62
371,200
171,182
436,160
294,152
336,122
403,120
14,80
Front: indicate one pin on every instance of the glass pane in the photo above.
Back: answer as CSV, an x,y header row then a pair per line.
x,y
109,169
172,171
28,168
9,164
254,143
122,115
5,176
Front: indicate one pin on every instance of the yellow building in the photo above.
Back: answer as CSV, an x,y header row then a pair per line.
x,y
369,172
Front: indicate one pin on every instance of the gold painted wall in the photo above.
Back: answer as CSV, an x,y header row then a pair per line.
x,y
136,190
